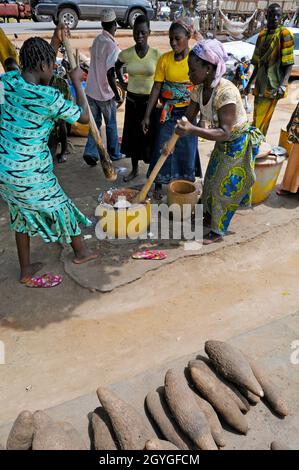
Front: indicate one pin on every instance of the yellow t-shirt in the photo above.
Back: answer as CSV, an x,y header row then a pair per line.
x,y
172,70
6,48
141,70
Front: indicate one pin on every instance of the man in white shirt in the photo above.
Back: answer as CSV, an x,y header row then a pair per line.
x,y
101,88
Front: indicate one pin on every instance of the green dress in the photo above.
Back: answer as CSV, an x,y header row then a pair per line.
x,y
230,174
37,204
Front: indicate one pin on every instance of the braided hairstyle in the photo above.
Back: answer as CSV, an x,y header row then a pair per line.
x,y
35,52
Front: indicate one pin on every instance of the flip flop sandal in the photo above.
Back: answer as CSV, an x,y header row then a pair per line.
x,y
150,254
46,280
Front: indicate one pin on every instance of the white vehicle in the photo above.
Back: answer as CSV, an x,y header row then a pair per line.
x,y
164,12
244,49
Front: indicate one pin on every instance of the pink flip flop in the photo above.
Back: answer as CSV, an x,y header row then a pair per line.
x,y
46,280
150,254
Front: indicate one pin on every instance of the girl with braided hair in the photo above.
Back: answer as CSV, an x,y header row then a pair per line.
x,y
37,204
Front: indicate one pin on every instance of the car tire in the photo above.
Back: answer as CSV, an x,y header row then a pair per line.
x,y
122,24
69,17
133,15
41,18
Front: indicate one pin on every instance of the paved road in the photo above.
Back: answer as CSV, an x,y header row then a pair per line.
x,y
31,27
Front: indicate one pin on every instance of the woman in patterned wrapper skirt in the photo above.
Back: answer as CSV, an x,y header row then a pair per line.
x,y
230,174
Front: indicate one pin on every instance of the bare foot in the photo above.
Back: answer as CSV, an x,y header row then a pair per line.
x,y
282,192
30,271
130,176
61,158
86,256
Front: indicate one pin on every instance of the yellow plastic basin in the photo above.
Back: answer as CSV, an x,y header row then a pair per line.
x,y
123,223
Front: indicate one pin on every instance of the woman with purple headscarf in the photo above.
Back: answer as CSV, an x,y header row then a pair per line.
x,y
230,173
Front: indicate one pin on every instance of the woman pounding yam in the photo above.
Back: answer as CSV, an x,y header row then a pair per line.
x,y
36,202
230,173
290,183
140,62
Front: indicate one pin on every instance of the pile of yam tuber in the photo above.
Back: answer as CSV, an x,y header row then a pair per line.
x,y
187,411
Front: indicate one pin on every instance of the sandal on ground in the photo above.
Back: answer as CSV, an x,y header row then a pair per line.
x,y
61,158
212,237
150,254
46,280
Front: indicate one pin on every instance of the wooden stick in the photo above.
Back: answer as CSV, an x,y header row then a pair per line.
x,y
167,150
106,163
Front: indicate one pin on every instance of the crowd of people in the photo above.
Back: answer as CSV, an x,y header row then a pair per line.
x,y
161,90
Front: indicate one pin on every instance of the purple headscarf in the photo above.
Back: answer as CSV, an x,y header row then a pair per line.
x,y
213,52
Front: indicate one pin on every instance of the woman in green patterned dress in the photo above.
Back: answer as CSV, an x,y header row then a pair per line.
x,y
230,173
36,202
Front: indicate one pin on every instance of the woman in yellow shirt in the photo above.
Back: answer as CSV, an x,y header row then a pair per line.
x,y
172,86
140,61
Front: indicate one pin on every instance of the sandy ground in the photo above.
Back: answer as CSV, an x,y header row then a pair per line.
x,y
65,342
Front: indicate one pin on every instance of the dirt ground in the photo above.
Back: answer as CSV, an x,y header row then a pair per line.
x,y
62,343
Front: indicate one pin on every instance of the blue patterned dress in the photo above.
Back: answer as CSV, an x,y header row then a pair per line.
x,y
37,204
230,174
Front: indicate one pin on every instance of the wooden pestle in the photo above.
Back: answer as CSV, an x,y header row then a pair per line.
x,y
106,163
167,150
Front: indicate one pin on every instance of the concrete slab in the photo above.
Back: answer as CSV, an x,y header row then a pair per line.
x,y
269,344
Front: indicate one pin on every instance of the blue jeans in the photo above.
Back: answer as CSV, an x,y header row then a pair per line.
x,y
108,110
183,163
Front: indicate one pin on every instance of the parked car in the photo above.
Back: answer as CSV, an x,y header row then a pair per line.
x,y
244,49
13,9
71,11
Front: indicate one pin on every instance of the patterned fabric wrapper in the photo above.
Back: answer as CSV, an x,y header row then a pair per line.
x,y
293,126
230,177
274,50
173,93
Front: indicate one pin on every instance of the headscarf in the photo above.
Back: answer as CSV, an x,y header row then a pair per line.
x,y
188,24
212,51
